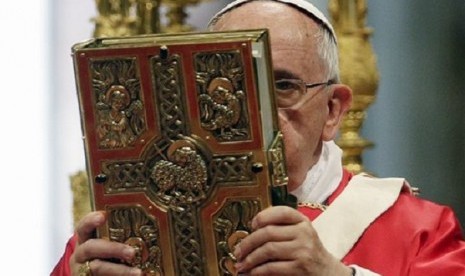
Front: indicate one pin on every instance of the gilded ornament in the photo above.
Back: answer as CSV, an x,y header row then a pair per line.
x,y
359,71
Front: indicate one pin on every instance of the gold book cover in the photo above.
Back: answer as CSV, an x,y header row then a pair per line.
x,y
182,144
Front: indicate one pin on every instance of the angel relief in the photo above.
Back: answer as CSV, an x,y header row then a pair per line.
x,y
119,110
113,129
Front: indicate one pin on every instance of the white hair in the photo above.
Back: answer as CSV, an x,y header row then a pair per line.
x,y
328,52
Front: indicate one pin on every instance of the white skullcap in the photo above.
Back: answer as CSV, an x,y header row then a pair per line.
x,y
303,5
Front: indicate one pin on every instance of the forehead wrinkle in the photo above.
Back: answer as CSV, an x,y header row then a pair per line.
x,y
299,34
301,30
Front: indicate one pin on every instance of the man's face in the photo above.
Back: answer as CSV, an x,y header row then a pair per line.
x,y
294,55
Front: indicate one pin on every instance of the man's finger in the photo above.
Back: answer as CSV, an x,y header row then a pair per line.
x,y
99,267
88,224
268,252
263,235
277,215
273,268
103,249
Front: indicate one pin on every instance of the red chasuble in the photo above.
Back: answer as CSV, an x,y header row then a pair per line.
x,y
62,267
413,237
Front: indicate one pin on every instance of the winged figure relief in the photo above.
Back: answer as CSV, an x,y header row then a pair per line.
x,y
221,107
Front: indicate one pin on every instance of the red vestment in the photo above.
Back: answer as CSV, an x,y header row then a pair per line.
x,y
413,237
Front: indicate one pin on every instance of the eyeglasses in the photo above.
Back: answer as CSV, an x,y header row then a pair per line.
x,y
290,91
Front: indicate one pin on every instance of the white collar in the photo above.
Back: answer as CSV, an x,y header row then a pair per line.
x,y
323,178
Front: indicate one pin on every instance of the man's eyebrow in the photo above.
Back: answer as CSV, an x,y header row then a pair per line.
x,y
284,74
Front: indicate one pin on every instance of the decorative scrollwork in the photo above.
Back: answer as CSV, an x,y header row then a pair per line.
x,y
131,225
278,161
231,169
187,240
168,84
126,177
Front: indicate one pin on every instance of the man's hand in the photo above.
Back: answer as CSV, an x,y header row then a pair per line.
x,y
284,242
99,251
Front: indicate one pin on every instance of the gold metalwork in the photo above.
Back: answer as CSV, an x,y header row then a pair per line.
x,y
119,110
184,187
276,155
359,71
222,102
319,206
177,15
232,224
84,269
183,176
415,191
81,196
168,79
232,168
134,227
126,17
131,17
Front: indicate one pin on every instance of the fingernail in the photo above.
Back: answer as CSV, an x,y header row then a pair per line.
x,y
135,271
128,253
237,252
254,224
239,266
98,219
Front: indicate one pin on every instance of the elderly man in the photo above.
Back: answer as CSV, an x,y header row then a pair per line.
x,y
345,225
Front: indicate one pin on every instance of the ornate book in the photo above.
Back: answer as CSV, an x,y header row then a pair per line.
x,y
182,144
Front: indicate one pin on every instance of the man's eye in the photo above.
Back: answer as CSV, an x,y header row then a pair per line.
x,y
284,85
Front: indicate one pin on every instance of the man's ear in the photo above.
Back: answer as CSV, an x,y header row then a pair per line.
x,y
338,103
